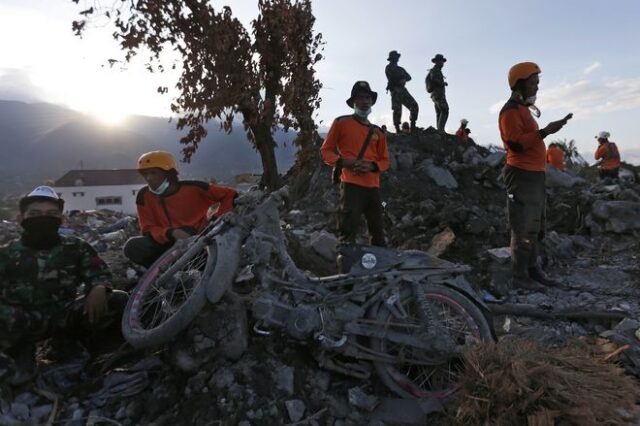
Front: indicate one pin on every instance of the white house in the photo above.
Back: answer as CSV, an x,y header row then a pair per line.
x,y
100,189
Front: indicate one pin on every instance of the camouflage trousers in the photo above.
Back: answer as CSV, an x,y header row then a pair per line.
x,y
400,97
71,321
442,110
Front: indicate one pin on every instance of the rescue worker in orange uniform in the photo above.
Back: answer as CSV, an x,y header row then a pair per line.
x,y
463,132
555,156
170,209
360,178
524,174
609,156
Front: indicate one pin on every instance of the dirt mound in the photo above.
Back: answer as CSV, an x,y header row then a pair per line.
x,y
517,382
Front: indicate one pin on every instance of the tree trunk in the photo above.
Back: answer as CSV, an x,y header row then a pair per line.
x,y
266,147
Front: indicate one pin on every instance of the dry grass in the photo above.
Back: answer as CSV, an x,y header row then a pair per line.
x,y
517,382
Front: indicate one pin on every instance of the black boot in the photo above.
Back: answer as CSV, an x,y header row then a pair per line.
x,y
520,257
413,127
537,274
397,126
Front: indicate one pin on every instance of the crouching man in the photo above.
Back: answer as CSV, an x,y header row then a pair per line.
x,y
170,209
49,284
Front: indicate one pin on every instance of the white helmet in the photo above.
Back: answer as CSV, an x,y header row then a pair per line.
x,y
464,121
603,135
44,191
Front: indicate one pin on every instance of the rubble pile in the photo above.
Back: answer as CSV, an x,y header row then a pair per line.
x,y
442,196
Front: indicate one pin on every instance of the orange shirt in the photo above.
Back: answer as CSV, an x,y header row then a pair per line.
x,y
462,134
608,151
345,139
555,157
187,207
519,132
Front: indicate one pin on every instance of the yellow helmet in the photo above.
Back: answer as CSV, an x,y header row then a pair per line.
x,y
522,71
160,159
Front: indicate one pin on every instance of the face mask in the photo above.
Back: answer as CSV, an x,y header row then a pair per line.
x,y
160,189
41,232
531,100
362,113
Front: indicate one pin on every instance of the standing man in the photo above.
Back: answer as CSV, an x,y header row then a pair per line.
x,y
360,178
555,156
41,275
608,156
397,77
524,174
170,209
436,84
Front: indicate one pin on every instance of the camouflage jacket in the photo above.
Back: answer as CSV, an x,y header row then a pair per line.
x,y
38,285
396,76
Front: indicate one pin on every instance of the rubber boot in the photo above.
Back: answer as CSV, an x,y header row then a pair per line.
x,y
520,258
413,127
397,126
535,270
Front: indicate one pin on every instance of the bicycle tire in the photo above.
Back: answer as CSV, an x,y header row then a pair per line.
x,y
134,329
402,383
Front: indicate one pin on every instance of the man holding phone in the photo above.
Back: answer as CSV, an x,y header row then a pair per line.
x,y
524,174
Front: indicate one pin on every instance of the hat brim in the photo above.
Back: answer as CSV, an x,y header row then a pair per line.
x,y
436,59
374,98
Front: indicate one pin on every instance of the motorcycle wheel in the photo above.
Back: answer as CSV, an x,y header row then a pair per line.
x,y
452,310
170,294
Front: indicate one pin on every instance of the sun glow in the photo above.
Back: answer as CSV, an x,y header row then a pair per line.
x,y
110,117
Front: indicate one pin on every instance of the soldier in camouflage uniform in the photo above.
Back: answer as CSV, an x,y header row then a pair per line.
x,y
40,277
436,87
397,77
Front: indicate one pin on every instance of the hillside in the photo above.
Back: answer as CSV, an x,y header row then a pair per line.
x,y
43,141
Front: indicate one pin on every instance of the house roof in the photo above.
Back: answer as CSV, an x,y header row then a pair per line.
x,y
100,178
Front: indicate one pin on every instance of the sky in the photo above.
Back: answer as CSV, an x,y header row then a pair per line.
x,y
587,50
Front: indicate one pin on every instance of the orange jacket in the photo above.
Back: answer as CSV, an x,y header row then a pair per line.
x,y
462,134
159,214
555,157
521,137
345,139
610,155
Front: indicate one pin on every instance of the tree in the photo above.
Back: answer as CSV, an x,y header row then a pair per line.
x,y
268,77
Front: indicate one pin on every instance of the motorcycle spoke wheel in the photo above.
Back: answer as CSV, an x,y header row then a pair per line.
x,y
411,375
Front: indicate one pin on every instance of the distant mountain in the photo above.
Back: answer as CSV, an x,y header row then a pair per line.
x,y
43,141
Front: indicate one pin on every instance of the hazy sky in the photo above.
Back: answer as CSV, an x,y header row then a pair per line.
x,y
587,49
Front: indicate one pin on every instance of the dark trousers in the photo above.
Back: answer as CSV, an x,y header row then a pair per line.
x,y
442,111
609,173
356,200
526,194
144,250
400,96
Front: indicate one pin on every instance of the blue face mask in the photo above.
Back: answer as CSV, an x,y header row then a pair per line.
x,y
361,113
161,188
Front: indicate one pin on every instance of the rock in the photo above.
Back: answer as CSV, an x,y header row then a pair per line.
x,y
358,398
405,160
184,361
226,324
442,177
626,175
501,254
284,379
20,410
406,411
558,178
619,216
324,243
441,241
470,155
295,409
495,159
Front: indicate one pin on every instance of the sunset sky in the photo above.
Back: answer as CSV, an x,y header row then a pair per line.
x,y
588,52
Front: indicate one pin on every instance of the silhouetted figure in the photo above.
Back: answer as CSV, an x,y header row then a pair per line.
x,y
397,77
436,84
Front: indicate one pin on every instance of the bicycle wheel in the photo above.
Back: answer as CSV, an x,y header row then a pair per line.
x,y
413,375
170,294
